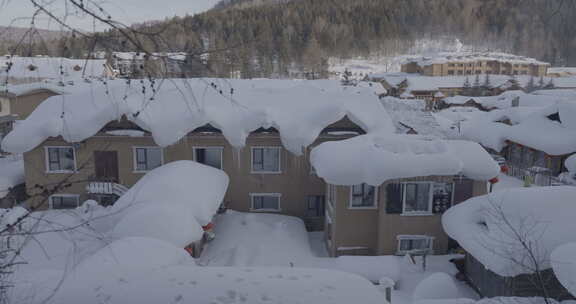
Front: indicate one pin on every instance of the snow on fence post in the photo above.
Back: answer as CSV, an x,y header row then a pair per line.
x,y
386,284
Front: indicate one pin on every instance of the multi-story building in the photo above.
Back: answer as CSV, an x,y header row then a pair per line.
x,y
261,134
472,63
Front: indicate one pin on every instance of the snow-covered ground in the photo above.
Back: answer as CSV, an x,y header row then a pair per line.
x,y
253,239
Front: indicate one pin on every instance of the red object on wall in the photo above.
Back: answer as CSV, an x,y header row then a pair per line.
x,y
210,226
504,169
494,180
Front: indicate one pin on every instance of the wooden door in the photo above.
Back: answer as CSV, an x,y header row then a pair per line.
x,y
106,166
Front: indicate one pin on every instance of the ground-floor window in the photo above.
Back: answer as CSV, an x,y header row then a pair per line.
x,y
265,201
64,201
414,244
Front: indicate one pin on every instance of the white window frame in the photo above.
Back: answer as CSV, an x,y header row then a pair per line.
x,y
278,195
417,237
373,207
221,148
430,200
76,196
135,159
47,159
252,171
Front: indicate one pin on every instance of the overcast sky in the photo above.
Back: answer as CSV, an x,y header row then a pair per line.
x,y
18,12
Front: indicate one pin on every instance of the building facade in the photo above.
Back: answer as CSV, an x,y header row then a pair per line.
x,y
265,177
398,217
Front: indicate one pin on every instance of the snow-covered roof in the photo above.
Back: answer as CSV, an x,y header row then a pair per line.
x,y
374,159
171,108
493,227
563,260
11,174
50,67
445,57
418,82
505,99
412,114
535,130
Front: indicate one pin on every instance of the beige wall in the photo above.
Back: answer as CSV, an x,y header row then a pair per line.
x,y
377,231
25,105
294,183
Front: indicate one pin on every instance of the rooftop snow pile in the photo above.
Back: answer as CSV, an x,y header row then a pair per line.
x,y
563,261
493,227
11,174
445,57
170,109
171,203
50,68
374,159
537,128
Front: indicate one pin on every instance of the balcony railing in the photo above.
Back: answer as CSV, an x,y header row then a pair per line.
x,y
536,176
106,188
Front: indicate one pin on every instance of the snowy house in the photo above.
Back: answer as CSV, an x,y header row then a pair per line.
x,y
509,237
18,101
138,65
535,137
386,194
106,136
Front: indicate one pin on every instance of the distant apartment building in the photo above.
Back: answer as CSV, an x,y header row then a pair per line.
x,y
471,63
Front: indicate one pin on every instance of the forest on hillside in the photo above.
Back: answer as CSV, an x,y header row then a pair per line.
x,y
264,38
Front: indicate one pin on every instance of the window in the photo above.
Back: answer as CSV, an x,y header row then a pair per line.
x,y
147,158
64,201
417,198
60,159
421,243
363,196
265,201
450,72
266,159
315,205
426,198
210,156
